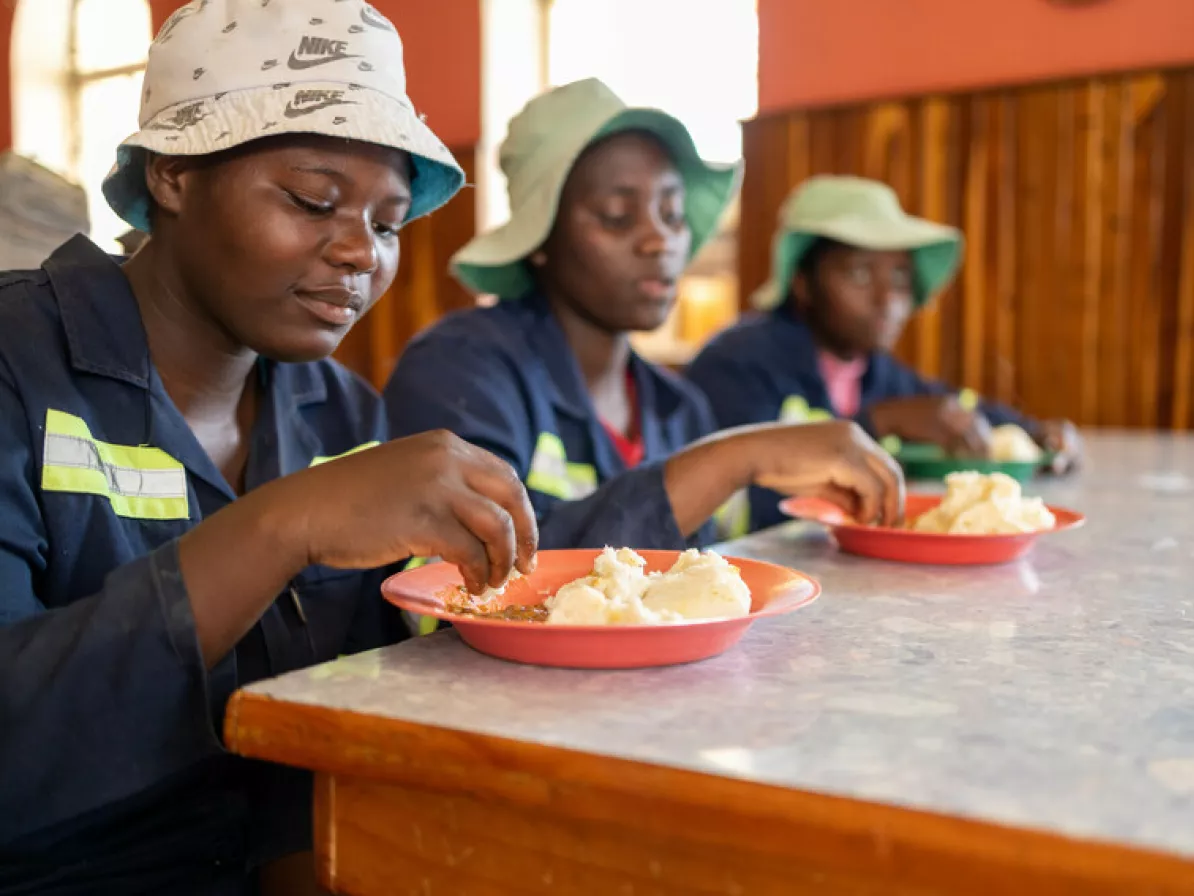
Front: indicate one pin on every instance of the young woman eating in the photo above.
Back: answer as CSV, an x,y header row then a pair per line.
x,y
609,204
850,269
178,519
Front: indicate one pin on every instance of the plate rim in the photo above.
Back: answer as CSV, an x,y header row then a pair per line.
x,y
811,582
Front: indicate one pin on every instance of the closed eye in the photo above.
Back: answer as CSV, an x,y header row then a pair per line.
x,y
310,206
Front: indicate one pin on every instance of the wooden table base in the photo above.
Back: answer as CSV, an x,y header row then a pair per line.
x,y
409,809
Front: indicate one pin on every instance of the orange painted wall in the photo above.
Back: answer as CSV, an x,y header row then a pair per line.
x,y
443,62
6,16
818,52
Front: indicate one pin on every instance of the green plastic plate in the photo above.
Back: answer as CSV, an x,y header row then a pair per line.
x,y
931,462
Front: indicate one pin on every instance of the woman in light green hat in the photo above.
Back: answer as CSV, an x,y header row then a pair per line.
x,y
609,204
850,267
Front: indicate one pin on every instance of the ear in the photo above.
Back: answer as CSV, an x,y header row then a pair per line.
x,y
166,176
539,259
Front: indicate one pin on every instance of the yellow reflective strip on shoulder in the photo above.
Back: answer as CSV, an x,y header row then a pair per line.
x,y
552,474
139,482
316,461
795,409
583,478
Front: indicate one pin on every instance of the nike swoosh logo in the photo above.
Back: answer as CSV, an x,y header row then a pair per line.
x,y
299,64
291,112
373,19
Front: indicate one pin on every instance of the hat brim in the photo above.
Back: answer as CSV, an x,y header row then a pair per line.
x,y
936,251
212,125
494,263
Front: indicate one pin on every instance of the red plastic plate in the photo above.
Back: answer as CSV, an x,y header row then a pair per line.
x,y
774,590
904,546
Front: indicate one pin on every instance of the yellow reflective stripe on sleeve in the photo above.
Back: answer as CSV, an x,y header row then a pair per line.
x,y
316,461
139,482
424,625
427,625
795,409
733,517
552,474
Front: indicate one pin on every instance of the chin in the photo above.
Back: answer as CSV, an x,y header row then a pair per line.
x,y
647,319
314,347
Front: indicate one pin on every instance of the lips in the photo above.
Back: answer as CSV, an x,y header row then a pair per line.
x,y
333,305
657,288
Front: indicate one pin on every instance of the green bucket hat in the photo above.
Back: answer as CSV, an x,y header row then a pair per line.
x,y
862,213
543,143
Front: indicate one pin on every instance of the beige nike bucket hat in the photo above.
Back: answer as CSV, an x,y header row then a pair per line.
x,y
543,143
222,73
863,213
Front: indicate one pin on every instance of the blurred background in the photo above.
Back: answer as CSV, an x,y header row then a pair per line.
x,y
1059,134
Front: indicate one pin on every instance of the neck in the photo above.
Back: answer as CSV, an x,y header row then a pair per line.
x,y
204,369
602,355
822,341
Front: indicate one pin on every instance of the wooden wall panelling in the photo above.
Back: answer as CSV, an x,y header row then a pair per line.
x,y
1000,375
1171,245
1076,297
1183,373
1113,288
1144,249
422,292
936,117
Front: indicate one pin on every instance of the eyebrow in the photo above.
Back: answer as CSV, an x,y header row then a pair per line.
x,y
629,190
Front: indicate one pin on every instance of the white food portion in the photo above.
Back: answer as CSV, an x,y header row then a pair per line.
x,y
619,592
975,504
699,586
1011,444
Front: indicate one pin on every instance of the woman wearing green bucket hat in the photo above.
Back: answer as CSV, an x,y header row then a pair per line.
x,y
849,268
609,203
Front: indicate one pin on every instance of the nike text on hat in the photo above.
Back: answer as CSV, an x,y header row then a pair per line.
x,y
862,213
222,73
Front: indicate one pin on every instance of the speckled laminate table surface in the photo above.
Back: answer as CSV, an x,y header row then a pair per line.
x,y
1056,693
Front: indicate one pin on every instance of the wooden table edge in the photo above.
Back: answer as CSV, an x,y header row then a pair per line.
x,y
917,847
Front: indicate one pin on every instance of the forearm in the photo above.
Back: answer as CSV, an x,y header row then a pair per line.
x,y
702,477
235,564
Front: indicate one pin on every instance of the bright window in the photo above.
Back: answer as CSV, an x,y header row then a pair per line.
x,y
78,67
699,63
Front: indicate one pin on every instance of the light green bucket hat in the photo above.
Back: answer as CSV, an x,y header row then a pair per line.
x,y
863,213
543,143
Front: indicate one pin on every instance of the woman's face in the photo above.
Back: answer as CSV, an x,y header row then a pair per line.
x,y
286,243
620,239
856,301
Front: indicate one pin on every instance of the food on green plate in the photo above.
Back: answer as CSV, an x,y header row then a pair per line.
x,y
1011,444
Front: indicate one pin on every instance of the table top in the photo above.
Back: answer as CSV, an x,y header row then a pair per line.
x,y
1055,693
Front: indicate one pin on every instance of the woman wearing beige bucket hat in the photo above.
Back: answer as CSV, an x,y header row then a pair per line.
x,y
609,203
849,268
179,517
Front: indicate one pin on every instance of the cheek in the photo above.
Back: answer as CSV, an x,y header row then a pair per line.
x,y
262,250
389,254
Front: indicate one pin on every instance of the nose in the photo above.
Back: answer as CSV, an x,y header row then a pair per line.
x,y
354,246
657,237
